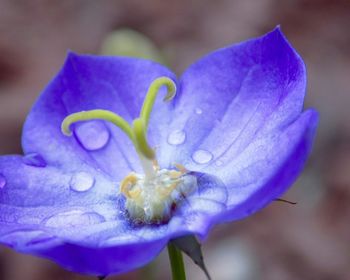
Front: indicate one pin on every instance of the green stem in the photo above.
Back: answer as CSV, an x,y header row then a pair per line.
x,y
176,262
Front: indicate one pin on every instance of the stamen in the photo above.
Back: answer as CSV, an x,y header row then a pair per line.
x,y
181,168
128,182
165,192
173,174
153,200
152,94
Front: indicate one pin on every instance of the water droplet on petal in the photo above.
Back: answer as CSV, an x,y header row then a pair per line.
x,y
34,159
74,218
82,181
198,111
2,181
202,156
219,162
120,240
92,135
177,137
20,238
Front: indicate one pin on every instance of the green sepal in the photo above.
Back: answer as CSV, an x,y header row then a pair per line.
x,y
192,248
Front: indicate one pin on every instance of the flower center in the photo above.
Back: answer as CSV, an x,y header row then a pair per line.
x,y
150,197
152,200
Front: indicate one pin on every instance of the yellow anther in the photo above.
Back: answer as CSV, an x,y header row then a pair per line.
x,y
173,174
165,192
153,199
135,193
126,186
181,168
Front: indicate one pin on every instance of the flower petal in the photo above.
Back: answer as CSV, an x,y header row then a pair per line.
x,y
230,96
94,82
31,195
41,214
267,167
240,110
198,212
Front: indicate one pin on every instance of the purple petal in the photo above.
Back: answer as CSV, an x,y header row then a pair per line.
x,y
94,82
268,166
198,212
230,96
240,111
31,194
42,215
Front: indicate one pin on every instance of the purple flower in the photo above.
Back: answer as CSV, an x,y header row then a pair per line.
x,y
236,123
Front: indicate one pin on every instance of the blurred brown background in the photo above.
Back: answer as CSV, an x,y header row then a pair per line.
x,y
308,241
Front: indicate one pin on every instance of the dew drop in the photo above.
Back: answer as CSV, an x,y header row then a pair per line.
x,y
120,240
202,156
177,137
34,159
20,238
2,181
92,135
82,181
74,218
198,111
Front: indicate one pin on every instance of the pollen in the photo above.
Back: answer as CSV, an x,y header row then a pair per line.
x,y
154,199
